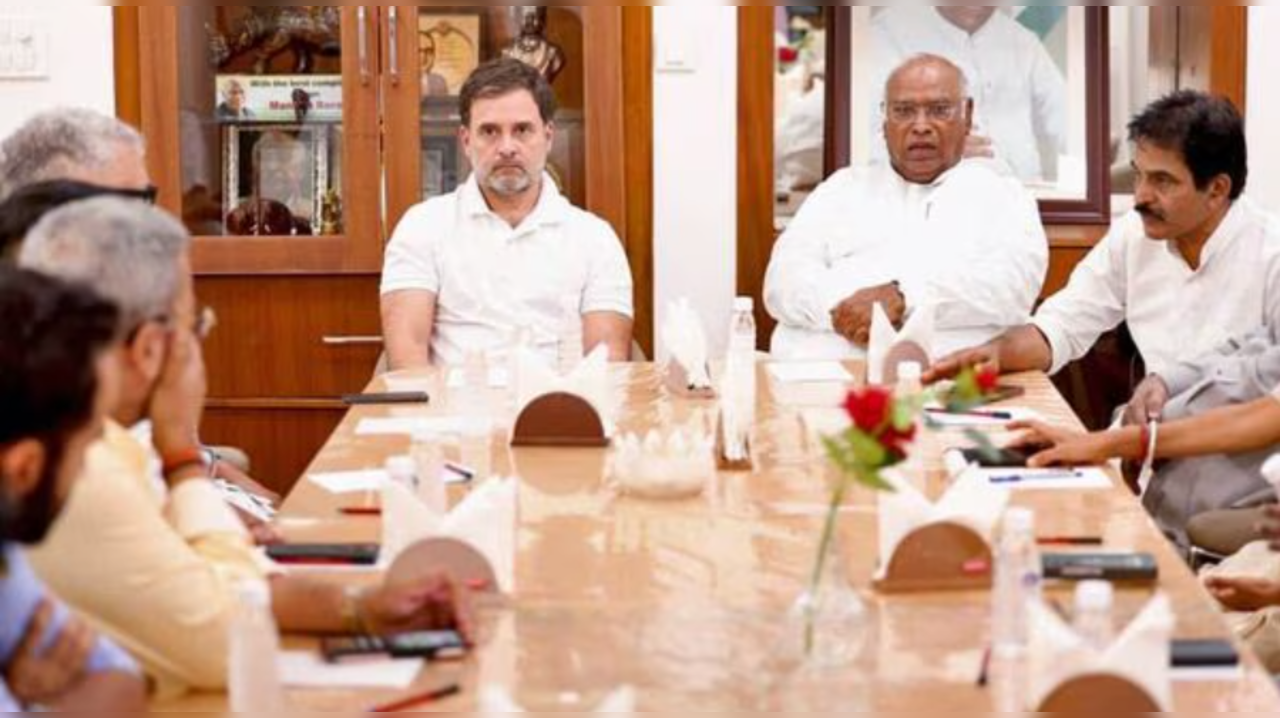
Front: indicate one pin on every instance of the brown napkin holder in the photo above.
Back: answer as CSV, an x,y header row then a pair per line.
x,y
939,557
1099,694
560,419
901,353
433,556
723,462
677,380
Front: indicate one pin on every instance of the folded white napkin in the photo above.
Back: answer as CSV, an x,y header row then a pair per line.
x,y
686,340
485,520
1140,655
498,700
674,465
971,501
534,379
919,330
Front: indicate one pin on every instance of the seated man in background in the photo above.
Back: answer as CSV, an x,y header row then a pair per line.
x,y
165,529
931,231
1195,264
468,271
57,367
63,155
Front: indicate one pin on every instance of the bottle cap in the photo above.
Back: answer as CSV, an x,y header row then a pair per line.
x,y
255,593
910,371
1020,521
1094,597
1271,471
744,304
401,467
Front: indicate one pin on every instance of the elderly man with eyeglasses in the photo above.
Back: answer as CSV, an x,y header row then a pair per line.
x,y
930,231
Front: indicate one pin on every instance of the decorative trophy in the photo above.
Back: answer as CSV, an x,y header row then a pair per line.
x,y
532,46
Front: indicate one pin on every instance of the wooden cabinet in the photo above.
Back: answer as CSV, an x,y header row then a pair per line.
x,y
292,139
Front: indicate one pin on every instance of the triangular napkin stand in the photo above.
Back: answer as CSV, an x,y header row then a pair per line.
x,y
939,557
560,419
678,383
902,353
1098,694
458,559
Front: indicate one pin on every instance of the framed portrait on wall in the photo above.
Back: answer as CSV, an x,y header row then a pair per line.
x,y
451,45
276,177
1038,77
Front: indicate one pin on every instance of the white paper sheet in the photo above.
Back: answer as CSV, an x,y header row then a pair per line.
x,y
979,419
411,426
1086,479
306,669
350,482
810,373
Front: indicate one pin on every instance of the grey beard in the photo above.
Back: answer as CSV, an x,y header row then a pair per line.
x,y
509,186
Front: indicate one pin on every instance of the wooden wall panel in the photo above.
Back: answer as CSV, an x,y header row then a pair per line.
x,y
281,442
756,233
269,342
637,85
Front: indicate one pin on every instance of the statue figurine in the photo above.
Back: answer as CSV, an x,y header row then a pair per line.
x,y
532,47
331,213
265,32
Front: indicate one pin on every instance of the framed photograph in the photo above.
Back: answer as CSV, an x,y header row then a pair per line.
x,y
294,99
1038,76
451,45
441,164
276,179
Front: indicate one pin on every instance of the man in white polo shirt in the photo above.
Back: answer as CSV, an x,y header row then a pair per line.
x,y
468,271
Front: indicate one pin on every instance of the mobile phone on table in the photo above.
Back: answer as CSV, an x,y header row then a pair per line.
x,y
1118,567
996,458
1205,654
431,645
325,554
394,397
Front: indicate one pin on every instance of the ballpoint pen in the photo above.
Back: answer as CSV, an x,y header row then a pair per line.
x,y
1032,477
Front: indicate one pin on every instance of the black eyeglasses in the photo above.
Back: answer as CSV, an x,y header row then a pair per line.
x,y
148,194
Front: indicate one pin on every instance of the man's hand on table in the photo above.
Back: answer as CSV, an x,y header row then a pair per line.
x,y
1148,402
436,603
37,675
1244,595
852,317
983,358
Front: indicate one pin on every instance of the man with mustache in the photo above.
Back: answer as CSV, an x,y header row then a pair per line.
x,y
932,230
1193,266
1018,90
468,271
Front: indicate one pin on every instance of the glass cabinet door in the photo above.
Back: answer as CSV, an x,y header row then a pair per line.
x,y
430,53
269,145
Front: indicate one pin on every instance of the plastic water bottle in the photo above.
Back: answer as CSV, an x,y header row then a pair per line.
x,y
739,386
254,676
570,337
1095,602
1019,575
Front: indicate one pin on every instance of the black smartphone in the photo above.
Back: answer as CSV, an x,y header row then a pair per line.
x,y
431,645
997,458
1118,568
325,554
1204,654
395,397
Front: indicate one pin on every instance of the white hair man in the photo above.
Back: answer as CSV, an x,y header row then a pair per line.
x,y
930,231
168,530
74,144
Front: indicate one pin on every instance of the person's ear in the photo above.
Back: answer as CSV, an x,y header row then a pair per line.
x,y
968,115
464,136
1220,189
551,135
148,350
21,466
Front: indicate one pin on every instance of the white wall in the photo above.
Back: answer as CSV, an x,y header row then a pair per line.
x,y
80,64
1264,106
696,163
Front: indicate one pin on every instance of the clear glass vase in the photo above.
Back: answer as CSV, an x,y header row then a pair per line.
x,y
827,624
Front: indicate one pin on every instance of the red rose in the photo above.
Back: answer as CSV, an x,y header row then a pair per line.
x,y
898,442
869,409
988,381
788,54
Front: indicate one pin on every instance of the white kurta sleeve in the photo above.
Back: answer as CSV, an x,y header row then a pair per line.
x,y
1093,302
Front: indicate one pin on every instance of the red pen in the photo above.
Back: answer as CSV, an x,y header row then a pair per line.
x,y
1070,541
418,700
360,511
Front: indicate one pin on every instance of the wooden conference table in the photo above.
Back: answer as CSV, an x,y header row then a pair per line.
x,y
687,601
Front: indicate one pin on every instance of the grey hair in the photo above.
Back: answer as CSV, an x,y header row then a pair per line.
x,y
56,143
126,250
929,59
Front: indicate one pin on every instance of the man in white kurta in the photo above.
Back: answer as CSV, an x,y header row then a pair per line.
x,y
966,242
1019,93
